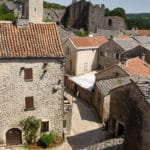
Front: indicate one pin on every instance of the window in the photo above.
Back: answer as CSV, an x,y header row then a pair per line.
x,y
28,74
64,123
102,53
85,67
29,103
45,126
117,74
117,56
110,22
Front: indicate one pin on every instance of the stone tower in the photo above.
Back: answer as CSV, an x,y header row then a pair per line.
x,y
74,1
33,10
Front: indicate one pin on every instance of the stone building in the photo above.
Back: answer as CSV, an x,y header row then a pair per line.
x,y
53,15
142,50
113,77
83,14
32,78
129,114
33,10
81,54
111,52
119,48
137,133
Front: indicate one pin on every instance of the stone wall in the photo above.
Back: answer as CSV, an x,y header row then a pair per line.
x,y
71,57
95,17
83,14
137,52
137,133
67,116
33,10
110,51
48,102
119,108
113,23
111,73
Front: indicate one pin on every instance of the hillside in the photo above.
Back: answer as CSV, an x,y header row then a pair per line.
x,y
53,5
145,15
138,20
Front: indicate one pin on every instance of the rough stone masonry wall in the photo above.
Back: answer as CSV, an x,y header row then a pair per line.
x,y
137,133
33,10
119,107
137,52
13,90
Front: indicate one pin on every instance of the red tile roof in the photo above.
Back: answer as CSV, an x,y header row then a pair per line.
x,y
124,36
36,40
144,32
87,42
136,65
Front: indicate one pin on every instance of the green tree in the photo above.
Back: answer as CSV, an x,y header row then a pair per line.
x,y
119,12
107,12
5,14
30,126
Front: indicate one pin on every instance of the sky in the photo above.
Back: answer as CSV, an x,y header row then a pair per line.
x,y
131,6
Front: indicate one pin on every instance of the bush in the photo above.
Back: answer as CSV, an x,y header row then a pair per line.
x,y
30,126
81,33
47,139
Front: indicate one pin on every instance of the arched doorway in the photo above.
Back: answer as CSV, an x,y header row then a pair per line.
x,y
13,137
109,22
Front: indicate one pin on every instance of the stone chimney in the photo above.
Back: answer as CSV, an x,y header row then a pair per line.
x,y
143,56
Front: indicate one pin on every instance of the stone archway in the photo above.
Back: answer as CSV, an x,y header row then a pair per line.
x,y
13,137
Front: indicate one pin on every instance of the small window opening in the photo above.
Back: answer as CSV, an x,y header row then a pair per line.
x,y
110,22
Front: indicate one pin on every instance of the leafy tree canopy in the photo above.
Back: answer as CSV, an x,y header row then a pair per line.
x,y
5,14
116,12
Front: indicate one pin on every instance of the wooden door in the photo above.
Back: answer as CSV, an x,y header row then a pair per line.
x,y
13,137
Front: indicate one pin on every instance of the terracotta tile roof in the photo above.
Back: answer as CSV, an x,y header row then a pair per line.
x,y
36,40
144,32
87,42
124,36
138,66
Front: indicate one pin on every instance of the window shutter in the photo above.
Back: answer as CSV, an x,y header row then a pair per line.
x,y
28,74
29,103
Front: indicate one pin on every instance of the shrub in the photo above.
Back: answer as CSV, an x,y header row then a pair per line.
x,y
81,33
47,139
30,126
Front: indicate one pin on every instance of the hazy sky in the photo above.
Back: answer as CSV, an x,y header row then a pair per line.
x,y
131,6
